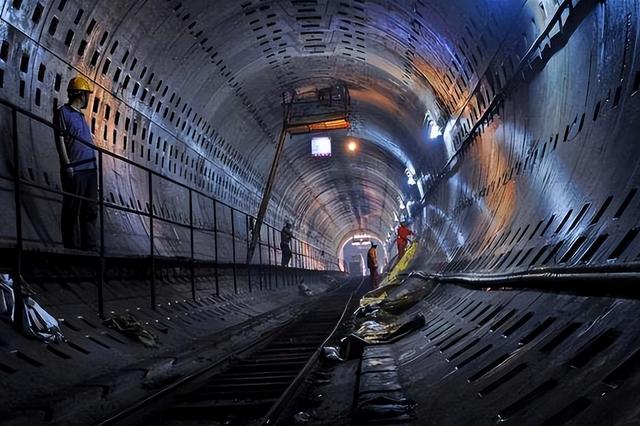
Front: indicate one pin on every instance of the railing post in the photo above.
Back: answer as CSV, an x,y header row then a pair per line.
x,y
286,270
260,259
312,262
292,268
294,271
246,225
275,255
294,259
101,266
305,258
269,254
299,270
233,246
17,278
191,262
152,260
215,244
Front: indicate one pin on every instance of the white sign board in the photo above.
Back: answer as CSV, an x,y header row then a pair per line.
x,y
321,146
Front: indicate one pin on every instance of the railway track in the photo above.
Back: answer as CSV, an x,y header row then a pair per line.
x,y
253,387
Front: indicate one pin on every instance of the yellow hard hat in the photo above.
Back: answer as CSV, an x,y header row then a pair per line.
x,y
79,84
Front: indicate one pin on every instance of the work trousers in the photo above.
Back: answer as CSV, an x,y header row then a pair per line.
x,y
286,254
374,277
83,183
402,245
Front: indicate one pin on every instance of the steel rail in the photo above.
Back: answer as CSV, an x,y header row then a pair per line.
x,y
276,410
168,389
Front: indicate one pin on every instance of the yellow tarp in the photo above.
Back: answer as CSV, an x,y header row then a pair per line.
x,y
401,266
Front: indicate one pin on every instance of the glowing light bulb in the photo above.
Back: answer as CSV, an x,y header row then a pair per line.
x,y
352,146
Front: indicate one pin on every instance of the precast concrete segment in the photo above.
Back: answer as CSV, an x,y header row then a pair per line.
x,y
516,356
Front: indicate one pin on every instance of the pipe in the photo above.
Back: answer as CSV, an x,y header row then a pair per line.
x,y
583,281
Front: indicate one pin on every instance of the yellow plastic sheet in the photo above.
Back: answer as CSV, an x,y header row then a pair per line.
x,y
401,266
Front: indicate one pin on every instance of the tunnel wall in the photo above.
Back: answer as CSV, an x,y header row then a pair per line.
x,y
521,357
549,176
136,112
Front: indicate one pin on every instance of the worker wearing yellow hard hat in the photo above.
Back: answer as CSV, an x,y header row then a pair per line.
x,y
79,84
78,169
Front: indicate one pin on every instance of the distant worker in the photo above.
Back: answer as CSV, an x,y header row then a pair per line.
x,y
402,239
78,172
285,240
372,264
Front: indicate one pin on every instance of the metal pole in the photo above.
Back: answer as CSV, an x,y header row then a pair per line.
x,y
305,256
288,273
17,278
292,263
191,263
269,254
215,244
152,260
312,258
260,260
294,258
270,181
233,246
275,256
299,247
247,228
101,266
299,252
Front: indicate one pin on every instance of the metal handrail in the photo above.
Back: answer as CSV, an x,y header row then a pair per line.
x,y
126,160
297,256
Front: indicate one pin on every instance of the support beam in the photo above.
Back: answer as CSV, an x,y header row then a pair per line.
x,y
268,187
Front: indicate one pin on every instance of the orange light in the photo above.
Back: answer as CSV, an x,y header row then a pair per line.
x,y
352,146
322,126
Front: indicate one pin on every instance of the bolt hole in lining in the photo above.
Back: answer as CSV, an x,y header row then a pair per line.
x,y
502,380
568,413
503,320
22,356
527,400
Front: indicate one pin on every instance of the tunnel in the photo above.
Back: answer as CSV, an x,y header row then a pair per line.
x,y
503,133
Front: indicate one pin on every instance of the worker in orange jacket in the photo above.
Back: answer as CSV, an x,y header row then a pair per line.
x,y
403,239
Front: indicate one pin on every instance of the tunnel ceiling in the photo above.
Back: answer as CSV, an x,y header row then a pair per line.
x,y
196,69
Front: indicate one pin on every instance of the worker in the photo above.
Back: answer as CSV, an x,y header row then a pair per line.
x,y
285,240
78,172
372,264
403,238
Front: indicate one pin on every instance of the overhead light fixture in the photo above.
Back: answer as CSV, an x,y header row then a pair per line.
x,y
434,131
321,146
360,241
410,178
352,146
